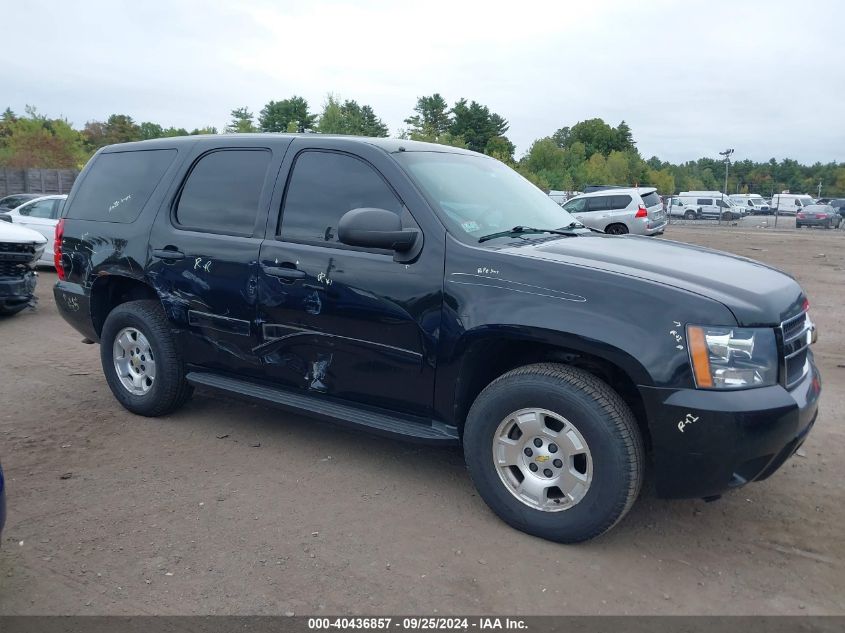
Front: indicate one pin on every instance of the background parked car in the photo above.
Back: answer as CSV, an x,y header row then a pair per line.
x,y
839,205
16,200
822,215
753,203
620,210
790,203
42,215
709,205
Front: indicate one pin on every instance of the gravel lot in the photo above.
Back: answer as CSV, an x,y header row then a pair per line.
x,y
230,508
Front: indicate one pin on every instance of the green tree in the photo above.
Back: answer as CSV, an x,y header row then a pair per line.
x,y
242,121
277,116
371,125
150,130
431,119
37,141
476,124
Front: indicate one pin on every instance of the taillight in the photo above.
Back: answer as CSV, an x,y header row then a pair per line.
x,y
806,305
57,249
801,215
642,212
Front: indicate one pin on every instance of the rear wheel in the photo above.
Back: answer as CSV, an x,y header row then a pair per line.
x,y
616,229
554,452
140,360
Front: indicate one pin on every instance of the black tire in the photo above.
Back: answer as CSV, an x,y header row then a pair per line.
x,y
597,412
797,225
12,310
616,229
169,390
727,217
689,215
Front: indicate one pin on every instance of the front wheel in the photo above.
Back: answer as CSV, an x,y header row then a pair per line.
x,y
689,215
140,360
727,217
554,452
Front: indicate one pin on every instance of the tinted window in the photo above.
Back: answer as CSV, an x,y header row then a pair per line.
x,y
705,201
41,209
651,199
323,187
117,185
722,203
598,203
222,192
619,202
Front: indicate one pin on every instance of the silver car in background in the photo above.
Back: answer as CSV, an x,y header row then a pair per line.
x,y
617,211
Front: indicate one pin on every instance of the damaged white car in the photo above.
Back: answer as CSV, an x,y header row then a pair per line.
x,y
20,250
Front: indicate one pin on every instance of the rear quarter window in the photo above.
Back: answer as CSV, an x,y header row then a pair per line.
x,y
651,199
118,185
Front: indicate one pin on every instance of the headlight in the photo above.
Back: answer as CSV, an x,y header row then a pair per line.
x,y
732,358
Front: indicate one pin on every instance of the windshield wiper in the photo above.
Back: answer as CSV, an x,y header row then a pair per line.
x,y
525,230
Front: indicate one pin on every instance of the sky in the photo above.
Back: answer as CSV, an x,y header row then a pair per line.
x,y
691,78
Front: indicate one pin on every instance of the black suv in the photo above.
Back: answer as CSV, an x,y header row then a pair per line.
x,y
432,293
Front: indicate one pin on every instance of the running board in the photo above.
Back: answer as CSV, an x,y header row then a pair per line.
x,y
376,422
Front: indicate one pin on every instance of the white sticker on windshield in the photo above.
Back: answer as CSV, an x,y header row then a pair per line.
x,y
469,226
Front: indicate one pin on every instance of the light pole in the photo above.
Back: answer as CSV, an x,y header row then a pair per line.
x,y
727,154
820,189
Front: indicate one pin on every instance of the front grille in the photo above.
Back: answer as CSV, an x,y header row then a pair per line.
x,y
11,247
795,339
13,269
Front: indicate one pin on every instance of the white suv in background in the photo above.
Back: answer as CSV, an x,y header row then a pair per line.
x,y
617,211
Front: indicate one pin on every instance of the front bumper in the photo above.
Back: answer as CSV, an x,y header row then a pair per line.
x,y
705,442
17,290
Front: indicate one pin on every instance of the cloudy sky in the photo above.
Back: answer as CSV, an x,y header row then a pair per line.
x,y
690,77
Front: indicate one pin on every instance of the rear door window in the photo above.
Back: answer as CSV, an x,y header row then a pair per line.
x,y
598,203
118,185
619,202
223,190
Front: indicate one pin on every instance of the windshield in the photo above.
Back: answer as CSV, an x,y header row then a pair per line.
x,y
476,196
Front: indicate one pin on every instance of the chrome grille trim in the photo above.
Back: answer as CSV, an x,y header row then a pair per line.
x,y
795,335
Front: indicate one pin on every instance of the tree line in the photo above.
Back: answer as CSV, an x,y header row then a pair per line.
x,y
588,152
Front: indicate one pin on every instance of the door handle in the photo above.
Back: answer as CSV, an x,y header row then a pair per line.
x,y
167,253
284,272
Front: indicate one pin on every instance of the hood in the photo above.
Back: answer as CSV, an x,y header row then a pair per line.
x,y
756,294
19,234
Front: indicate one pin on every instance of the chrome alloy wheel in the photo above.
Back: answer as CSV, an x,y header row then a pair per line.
x,y
134,361
542,459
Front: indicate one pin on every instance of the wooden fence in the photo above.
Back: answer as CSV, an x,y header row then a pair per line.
x,y
46,181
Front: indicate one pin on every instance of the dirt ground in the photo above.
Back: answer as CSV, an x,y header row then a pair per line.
x,y
231,508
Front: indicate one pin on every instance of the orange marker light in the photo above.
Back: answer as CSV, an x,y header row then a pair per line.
x,y
700,356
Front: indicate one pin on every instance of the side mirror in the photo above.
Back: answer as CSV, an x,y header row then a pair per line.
x,y
376,228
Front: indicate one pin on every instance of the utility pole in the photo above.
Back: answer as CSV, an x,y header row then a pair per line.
x,y
820,190
727,154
